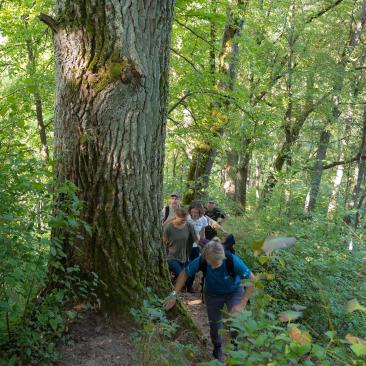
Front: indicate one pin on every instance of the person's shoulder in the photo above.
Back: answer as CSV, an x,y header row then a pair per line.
x,y
168,227
239,263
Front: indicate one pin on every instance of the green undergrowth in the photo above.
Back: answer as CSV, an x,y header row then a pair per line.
x,y
159,340
34,316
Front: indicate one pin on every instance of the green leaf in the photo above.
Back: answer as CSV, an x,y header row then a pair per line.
x,y
263,259
354,305
54,324
359,349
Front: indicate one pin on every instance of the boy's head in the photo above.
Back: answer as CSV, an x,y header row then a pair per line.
x,y
180,216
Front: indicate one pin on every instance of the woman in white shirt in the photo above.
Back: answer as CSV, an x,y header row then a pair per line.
x,y
197,219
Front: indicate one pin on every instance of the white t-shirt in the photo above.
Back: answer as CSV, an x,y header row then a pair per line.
x,y
198,225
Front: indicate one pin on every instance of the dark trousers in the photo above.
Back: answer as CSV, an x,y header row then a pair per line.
x,y
215,304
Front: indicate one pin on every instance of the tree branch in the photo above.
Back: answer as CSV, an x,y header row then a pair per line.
x,y
195,33
180,100
184,58
336,163
323,11
49,21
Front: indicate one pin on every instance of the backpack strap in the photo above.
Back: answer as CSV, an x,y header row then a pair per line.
x,y
166,214
202,266
230,263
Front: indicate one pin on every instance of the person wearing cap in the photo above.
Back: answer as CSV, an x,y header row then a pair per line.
x,y
168,212
215,214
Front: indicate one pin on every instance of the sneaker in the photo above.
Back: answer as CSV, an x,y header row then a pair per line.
x,y
217,353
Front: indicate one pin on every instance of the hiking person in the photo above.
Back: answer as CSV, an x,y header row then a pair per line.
x,y
215,214
179,236
222,286
168,212
199,222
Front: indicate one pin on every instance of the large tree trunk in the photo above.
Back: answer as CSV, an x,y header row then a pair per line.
x,y
112,74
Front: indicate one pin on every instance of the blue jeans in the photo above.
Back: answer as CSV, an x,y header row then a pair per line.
x,y
215,304
194,254
175,267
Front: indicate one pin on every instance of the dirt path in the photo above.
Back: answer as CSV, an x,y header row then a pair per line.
x,y
96,341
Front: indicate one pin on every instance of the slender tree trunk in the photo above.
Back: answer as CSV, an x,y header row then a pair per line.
x,y
231,174
340,168
32,71
317,172
112,86
361,164
257,178
293,131
228,64
243,174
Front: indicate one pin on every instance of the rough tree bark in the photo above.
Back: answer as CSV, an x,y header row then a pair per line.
x,y
112,77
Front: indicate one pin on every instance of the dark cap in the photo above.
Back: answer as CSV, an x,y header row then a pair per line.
x,y
211,200
174,194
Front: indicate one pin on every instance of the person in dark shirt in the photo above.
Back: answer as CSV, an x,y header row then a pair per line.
x,y
216,214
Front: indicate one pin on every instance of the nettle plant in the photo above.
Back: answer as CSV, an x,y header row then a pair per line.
x,y
263,339
156,340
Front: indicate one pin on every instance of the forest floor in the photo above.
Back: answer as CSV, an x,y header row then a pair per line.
x,y
96,341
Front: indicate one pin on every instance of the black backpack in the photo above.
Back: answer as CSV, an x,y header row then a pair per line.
x,y
166,213
229,266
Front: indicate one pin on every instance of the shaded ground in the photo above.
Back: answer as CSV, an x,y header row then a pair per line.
x,y
96,341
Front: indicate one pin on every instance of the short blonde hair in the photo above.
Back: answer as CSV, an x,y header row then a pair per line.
x,y
214,250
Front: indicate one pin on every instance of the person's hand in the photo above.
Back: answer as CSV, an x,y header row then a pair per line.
x,y
170,302
238,307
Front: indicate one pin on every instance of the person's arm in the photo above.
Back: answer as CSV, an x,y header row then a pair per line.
x,y
193,233
202,233
165,235
217,226
179,284
247,293
168,221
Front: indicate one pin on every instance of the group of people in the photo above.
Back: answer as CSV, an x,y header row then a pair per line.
x,y
192,245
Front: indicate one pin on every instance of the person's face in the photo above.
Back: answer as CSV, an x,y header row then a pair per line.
x,y
210,206
195,213
214,264
174,201
180,220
